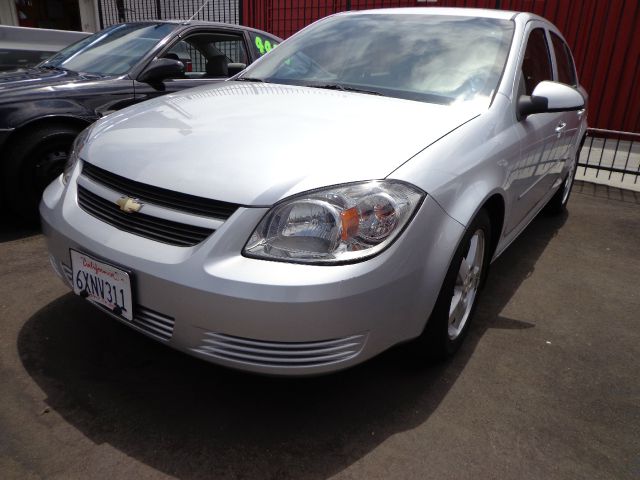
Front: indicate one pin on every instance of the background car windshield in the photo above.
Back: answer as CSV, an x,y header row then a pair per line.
x,y
113,51
430,58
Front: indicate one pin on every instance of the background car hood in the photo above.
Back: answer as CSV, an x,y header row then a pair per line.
x,y
22,82
254,144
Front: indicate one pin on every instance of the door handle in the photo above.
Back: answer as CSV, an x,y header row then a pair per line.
x,y
560,127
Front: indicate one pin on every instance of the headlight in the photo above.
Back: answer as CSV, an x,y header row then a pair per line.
x,y
74,153
335,225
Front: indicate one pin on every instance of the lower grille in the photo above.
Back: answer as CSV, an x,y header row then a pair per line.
x,y
280,354
156,324
153,322
154,228
67,272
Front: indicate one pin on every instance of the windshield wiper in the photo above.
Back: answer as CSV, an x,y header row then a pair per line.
x,y
345,88
250,79
53,67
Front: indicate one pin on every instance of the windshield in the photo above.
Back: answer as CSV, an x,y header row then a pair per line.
x,y
429,58
113,51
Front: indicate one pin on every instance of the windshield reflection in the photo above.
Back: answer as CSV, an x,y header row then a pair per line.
x,y
113,51
432,58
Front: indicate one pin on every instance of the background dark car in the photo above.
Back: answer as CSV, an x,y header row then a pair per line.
x,y
42,109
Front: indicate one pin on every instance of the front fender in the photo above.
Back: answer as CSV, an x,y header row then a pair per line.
x,y
28,112
465,168
16,115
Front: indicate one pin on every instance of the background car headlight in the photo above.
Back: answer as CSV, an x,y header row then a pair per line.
x,y
335,225
74,154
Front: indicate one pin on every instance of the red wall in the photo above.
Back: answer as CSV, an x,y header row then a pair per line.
x,y
604,36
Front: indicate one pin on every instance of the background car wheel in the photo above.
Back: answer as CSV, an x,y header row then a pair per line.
x,y
33,161
451,316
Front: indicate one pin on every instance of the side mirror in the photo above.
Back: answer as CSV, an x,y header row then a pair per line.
x,y
160,69
550,97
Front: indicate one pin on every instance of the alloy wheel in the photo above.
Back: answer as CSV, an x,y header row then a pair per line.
x,y
467,284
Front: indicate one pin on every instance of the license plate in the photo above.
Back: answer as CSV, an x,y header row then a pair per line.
x,y
102,283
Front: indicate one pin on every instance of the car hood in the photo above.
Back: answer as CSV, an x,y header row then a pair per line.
x,y
18,82
254,144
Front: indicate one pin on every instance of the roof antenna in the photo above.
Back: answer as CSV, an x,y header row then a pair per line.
x,y
199,10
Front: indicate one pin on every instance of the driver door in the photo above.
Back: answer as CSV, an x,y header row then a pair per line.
x,y
540,139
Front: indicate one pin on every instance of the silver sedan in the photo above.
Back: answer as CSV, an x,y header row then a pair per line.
x,y
342,195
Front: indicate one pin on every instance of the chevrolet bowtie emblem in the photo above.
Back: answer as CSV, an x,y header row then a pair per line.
x,y
128,204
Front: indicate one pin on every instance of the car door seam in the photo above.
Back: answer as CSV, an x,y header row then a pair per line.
x,y
432,143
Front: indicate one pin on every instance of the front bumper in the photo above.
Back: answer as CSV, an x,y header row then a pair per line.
x,y
268,317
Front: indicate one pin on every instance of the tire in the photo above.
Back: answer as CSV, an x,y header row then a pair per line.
x,y
441,337
558,203
33,160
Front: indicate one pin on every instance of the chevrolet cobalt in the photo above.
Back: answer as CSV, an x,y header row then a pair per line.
x,y
344,194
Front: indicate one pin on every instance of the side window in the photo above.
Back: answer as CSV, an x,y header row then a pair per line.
x,y
536,65
180,51
566,70
262,43
233,48
210,55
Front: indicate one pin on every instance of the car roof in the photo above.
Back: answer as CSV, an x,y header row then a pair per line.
x,y
450,11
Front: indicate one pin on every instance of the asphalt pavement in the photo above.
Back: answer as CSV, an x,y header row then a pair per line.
x,y
546,386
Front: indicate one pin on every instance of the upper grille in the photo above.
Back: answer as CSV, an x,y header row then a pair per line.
x,y
159,229
280,354
160,196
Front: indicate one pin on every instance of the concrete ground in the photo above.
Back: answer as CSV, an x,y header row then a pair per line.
x,y
546,386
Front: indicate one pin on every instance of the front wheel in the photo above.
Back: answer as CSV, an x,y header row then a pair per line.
x,y
33,161
458,297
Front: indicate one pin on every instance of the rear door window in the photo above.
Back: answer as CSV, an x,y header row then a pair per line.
x,y
261,43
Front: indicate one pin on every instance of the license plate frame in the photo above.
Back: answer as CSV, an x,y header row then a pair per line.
x,y
102,283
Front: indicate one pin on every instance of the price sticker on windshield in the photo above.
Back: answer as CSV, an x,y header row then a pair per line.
x,y
264,46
